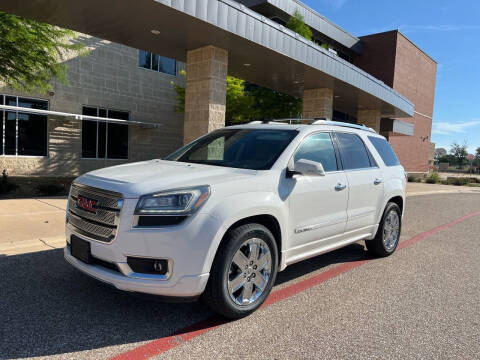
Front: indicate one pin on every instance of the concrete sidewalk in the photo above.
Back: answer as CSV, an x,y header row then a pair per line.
x,y
414,189
28,225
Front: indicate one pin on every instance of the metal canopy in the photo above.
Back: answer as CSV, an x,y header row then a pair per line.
x,y
77,116
260,51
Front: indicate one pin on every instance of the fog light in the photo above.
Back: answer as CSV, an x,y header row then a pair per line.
x,y
157,266
148,266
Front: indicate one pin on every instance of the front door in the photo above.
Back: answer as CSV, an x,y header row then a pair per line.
x,y
318,204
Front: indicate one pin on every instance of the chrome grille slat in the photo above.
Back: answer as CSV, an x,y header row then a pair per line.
x,y
105,199
104,216
102,225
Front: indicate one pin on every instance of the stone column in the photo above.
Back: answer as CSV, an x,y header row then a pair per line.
x,y
205,92
370,118
318,103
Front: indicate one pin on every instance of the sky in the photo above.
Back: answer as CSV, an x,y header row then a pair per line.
x,y
448,31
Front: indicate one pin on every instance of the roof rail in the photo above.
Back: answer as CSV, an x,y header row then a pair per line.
x,y
343,124
317,121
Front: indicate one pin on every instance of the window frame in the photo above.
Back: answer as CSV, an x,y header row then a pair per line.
x,y
158,64
335,148
3,120
98,108
369,153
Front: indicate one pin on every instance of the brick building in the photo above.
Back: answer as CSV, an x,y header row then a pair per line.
x,y
381,80
400,64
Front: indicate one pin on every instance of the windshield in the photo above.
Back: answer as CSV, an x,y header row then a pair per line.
x,y
255,149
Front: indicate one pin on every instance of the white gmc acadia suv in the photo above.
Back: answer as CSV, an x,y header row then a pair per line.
x,y
222,215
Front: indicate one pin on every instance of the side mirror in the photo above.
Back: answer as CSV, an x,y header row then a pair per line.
x,y
305,167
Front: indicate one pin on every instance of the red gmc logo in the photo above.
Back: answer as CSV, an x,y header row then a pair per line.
x,y
87,204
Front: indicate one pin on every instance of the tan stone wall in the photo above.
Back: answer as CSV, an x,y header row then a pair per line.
x,y
370,118
318,103
205,93
108,77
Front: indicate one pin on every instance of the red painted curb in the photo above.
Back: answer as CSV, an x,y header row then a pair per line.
x,y
159,346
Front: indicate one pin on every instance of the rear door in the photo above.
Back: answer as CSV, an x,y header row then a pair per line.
x,y
364,180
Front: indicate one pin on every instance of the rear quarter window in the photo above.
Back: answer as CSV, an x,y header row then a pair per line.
x,y
385,150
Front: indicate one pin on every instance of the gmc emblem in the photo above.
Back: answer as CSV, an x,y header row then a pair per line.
x,y
87,204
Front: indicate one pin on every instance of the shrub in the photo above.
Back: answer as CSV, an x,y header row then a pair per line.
x,y
50,189
5,185
433,178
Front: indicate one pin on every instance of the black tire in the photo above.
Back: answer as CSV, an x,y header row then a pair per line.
x,y
377,247
216,294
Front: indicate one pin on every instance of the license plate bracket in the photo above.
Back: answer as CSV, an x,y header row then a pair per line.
x,y
80,249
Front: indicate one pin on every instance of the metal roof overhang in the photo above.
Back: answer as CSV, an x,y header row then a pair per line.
x,y
279,58
79,117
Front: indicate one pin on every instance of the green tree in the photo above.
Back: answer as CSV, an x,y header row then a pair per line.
x,y
297,23
459,152
239,104
31,53
271,104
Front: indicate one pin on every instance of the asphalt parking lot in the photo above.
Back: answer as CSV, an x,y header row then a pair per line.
x,y
423,302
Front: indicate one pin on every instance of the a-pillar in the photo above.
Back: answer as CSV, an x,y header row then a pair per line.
x,y
318,103
370,118
205,92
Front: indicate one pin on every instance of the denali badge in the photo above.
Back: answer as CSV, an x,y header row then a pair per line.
x,y
86,204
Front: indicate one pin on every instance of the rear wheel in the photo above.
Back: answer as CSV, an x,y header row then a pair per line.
x,y
388,233
243,272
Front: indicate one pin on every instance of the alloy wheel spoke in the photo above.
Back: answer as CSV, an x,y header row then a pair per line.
x,y
236,283
247,292
254,249
259,281
263,261
240,260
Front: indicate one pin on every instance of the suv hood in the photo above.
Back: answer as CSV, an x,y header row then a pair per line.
x,y
136,179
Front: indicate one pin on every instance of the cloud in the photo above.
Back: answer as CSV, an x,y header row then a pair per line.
x,y
336,4
444,27
448,128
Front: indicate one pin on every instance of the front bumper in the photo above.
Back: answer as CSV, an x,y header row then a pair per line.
x,y
190,246
186,286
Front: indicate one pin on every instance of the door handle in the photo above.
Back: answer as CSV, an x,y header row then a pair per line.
x,y
377,181
340,187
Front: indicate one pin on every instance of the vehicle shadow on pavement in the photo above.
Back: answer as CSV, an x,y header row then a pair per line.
x,y
49,308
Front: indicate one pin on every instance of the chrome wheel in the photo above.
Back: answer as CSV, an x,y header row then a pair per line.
x,y
391,230
250,271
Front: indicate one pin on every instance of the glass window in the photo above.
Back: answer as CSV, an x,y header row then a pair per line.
x,y
255,149
1,127
144,59
23,133
385,150
89,139
102,140
319,148
353,152
10,133
167,65
156,62
117,141
32,135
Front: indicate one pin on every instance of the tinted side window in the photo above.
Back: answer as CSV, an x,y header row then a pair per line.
x,y
385,150
319,148
354,154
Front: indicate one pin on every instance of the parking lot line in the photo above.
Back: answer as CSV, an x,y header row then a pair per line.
x,y
159,346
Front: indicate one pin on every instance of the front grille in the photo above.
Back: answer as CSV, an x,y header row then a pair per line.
x,y
101,225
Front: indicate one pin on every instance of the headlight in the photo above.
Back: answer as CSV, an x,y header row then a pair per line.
x,y
173,202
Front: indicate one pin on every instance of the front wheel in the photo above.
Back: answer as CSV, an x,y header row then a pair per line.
x,y
388,233
243,272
